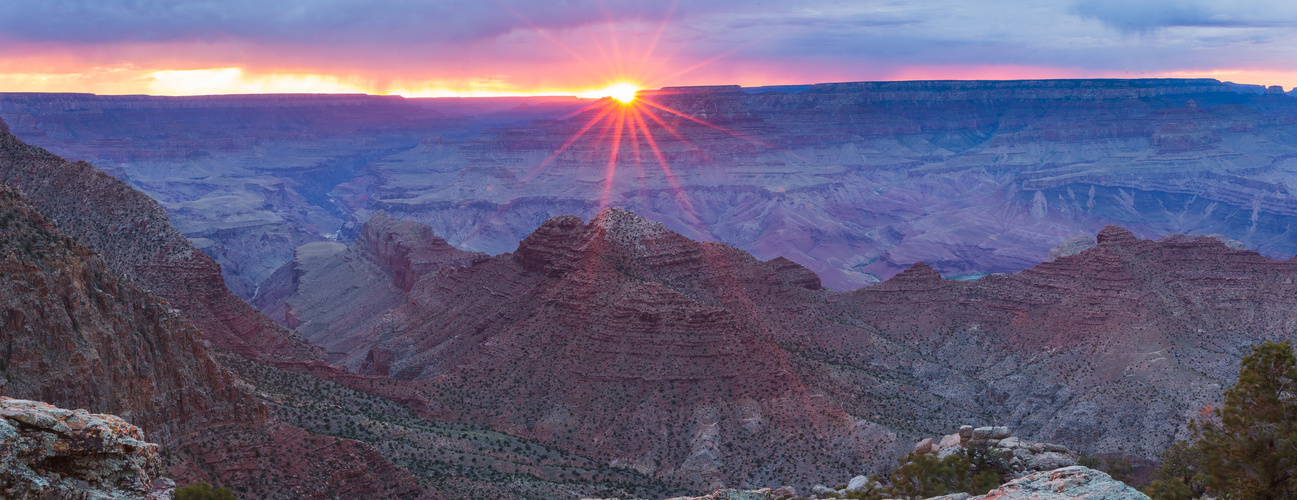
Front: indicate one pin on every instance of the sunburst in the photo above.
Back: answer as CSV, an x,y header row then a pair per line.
x,y
623,112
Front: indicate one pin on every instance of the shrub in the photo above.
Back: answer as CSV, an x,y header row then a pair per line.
x,y
203,491
925,475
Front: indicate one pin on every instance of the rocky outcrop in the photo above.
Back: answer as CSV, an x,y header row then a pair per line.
x,y
1023,457
50,452
1064,483
1067,483
79,335
1105,351
1071,247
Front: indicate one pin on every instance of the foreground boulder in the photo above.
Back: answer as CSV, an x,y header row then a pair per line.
x,y
1068,483
50,452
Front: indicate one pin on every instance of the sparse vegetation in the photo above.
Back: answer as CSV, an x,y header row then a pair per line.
x,y
203,491
976,471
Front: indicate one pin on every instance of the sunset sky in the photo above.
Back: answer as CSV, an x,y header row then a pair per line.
x,y
494,47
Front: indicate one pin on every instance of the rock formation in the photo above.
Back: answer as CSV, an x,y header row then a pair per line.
x,y
1067,483
1024,457
1105,351
136,239
614,338
50,452
78,331
247,177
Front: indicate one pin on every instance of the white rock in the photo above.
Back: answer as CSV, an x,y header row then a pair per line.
x,y
950,441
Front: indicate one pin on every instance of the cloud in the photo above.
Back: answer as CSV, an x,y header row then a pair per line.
x,y
440,46
1145,16
376,22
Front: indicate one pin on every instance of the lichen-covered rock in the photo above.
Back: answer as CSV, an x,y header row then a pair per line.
x,y
1068,483
50,452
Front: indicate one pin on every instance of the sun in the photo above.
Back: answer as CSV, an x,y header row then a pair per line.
x,y
623,92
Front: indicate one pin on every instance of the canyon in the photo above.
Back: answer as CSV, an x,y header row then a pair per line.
x,y
855,181
106,306
384,297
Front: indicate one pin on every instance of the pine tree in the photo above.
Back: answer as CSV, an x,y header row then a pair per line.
x,y
1249,451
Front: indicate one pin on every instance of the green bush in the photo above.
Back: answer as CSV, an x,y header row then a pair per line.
x,y
925,475
203,491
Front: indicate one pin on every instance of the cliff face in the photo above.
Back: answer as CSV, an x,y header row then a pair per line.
x,y
133,235
248,176
78,333
1141,332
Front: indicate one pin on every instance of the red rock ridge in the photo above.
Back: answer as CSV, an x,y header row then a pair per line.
x,y
132,232
82,335
616,339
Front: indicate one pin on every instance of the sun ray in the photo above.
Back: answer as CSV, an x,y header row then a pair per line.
x,y
709,124
612,161
707,61
532,174
574,114
657,36
666,170
612,36
671,130
728,131
634,142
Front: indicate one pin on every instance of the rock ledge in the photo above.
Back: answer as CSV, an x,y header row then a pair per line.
x,y
50,452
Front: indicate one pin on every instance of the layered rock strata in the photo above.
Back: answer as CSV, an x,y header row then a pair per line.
x,y
594,335
855,181
615,338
